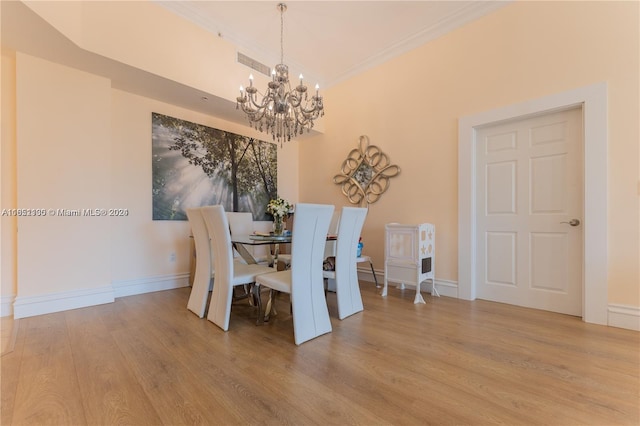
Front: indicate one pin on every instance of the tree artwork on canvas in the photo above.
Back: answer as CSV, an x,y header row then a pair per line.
x,y
196,165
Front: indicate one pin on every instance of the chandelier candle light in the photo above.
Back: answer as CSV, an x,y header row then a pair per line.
x,y
282,112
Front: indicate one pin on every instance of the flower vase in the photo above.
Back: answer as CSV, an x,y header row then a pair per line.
x,y
278,225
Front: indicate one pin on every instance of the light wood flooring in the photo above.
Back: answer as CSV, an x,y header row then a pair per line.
x,y
146,360
7,334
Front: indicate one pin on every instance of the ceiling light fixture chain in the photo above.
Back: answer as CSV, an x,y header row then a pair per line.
x,y
282,8
283,112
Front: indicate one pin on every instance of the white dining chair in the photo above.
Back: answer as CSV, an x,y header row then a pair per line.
x,y
304,280
330,250
203,276
241,223
366,258
263,251
345,274
229,273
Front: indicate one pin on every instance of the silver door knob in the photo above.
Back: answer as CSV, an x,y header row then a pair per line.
x,y
573,222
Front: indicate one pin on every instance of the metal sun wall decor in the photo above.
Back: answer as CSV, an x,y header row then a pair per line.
x,y
366,173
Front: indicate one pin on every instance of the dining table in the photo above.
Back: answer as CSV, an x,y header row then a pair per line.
x,y
241,241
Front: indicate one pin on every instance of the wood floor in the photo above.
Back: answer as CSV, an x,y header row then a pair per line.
x,y
7,334
146,360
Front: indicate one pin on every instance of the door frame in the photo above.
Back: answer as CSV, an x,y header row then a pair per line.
x,y
593,101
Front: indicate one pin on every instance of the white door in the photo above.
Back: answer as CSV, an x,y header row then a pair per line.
x,y
529,207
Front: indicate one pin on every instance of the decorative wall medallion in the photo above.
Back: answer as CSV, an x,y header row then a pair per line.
x,y
365,174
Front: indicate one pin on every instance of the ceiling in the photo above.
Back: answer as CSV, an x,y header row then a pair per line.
x,y
330,41
327,41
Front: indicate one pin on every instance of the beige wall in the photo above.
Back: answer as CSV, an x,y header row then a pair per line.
x,y
77,144
144,35
63,162
8,224
410,108
141,247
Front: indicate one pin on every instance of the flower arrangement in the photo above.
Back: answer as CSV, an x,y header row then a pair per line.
x,y
279,208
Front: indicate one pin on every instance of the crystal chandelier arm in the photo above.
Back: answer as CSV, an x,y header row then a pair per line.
x,y
254,114
314,110
266,99
308,109
281,111
315,106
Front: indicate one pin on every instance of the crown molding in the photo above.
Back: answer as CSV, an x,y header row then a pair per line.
x,y
253,48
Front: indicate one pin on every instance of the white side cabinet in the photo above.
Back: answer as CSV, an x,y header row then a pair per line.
x,y
410,256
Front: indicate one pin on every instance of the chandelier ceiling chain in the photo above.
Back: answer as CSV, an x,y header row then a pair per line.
x,y
283,112
282,8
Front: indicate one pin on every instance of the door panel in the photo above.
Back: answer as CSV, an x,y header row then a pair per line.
x,y
529,177
551,250
501,258
548,184
501,188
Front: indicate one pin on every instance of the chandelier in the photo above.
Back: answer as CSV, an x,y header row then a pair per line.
x,y
282,112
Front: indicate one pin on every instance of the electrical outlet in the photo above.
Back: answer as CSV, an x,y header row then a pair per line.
x,y
172,257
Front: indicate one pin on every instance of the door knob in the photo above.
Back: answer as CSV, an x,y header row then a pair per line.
x,y
573,222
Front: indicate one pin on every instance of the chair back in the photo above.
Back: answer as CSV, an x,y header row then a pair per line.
x,y
204,263
242,223
262,251
347,285
310,223
218,228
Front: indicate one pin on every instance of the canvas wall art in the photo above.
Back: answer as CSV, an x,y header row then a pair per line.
x,y
196,165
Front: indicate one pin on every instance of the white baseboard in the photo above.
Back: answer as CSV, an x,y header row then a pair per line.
x,y
28,306
150,284
6,305
444,287
621,316
365,274
447,288
624,316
